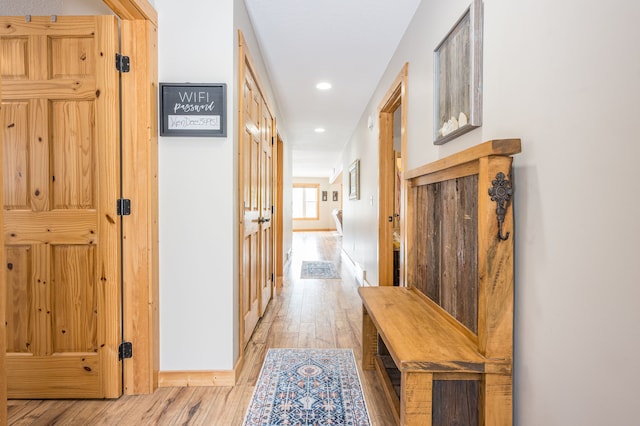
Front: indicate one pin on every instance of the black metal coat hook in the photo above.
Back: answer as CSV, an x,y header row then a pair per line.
x,y
501,192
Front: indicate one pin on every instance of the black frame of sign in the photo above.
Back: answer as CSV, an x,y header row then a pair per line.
x,y
193,109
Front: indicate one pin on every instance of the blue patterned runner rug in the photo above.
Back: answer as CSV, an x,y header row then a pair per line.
x,y
318,270
308,387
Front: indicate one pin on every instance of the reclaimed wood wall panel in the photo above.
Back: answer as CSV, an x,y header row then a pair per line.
x,y
455,402
433,229
496,288
447,260
466,236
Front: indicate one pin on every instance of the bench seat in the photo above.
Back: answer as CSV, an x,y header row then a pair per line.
x,y
431,343
433,348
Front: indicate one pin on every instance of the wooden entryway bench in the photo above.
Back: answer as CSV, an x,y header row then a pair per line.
x,y
442,345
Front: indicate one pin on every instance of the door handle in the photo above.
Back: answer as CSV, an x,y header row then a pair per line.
x,y
263,220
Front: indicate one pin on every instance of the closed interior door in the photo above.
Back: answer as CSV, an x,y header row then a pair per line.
x,y
251,156
257,185
60,123
266,203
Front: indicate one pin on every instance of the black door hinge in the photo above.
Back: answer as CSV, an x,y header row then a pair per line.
x,y
272,210
124,207
125,350
122,63
272,277
272,140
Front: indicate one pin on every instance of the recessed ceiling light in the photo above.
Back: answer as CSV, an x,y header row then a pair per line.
x,y
319,130
323,85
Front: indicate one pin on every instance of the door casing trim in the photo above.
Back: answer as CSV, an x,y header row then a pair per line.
x,y
396,97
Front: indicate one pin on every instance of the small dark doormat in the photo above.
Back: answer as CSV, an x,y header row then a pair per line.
x,y
318,270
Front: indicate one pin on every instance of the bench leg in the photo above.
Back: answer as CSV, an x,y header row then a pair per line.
x,y
369,341
416,398
496,392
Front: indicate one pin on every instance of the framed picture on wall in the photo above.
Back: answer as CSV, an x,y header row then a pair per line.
x,y
335,195
457,78
193,109
354,180
324,195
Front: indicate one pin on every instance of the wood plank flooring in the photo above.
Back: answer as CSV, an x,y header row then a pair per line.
x,y
305,313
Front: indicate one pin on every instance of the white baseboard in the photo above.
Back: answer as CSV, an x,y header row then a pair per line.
x,y
359,272
195,378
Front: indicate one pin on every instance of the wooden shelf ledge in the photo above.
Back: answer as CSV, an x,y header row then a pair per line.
x,y
504,147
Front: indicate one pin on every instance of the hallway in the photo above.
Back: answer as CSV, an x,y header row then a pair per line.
x,y
306,313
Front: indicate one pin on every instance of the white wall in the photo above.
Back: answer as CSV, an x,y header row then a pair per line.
x,y
30,7
85,7
53,7
360,217
325,220
570,90
199,190
563,77
198,265
287,241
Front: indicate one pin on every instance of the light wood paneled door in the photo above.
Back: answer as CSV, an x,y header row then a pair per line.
x,y
278,256
257,183
61,182
3,299
250,160
267,273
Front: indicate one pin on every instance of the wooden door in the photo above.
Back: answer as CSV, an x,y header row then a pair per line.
x,y
393,188
3,300
256,183
61,181
279,223
267,276
250,169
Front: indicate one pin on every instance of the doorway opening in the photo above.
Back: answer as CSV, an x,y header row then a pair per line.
x,y
392,154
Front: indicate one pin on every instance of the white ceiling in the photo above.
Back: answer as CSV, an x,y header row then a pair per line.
x,y
345,42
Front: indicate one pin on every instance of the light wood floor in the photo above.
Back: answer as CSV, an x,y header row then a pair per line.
x,y
305,314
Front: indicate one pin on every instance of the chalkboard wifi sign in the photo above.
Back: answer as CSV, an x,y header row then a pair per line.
x,y
191,109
